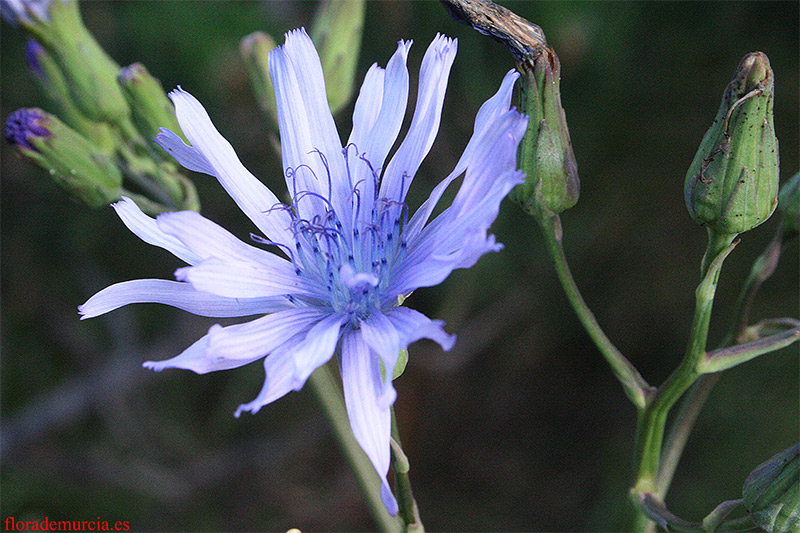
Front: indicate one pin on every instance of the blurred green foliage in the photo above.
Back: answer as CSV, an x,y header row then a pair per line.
x,y
521,426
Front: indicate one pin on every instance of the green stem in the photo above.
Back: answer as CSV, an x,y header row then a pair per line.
x,y
636,388
652,419
762,269
405,497
679,431
329,395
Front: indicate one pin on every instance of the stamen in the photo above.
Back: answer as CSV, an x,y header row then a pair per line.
x,y
375,176
327,170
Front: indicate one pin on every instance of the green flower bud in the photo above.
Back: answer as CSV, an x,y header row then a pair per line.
x,y
337,35
255,49
789,203
52,81
545,154
771,493
73,161
151,107
90,74
732,184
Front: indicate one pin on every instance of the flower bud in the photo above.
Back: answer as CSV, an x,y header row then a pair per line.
x,y
545,154
337,36
90,74
52,81
732,184
255,49
73,161
771,493
789,203
150,106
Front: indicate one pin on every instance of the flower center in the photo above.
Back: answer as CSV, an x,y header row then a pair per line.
x,y
351,256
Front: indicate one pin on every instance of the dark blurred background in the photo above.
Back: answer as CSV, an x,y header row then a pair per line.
x,y
521,426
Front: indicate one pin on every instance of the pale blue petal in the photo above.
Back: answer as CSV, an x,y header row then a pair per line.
x,y
458,236
310,144
208,239
234,346
492,170
177,294
368,105
425,124
375,129
412,326
381,336
263,335
252,196
279,380
188,156
488,124
196,359
235,279
147,229
369,419
317,348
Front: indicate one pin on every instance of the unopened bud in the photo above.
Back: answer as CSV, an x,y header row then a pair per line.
x,y
52,81
551,172
150,106
255,49
337,35
789,203
90,74
771,493
732,184
74,162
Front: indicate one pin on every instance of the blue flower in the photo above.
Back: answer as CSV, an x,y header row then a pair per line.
x,y
346,250
14,11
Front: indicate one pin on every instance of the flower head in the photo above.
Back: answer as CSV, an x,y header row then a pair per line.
x,y
344,250
14,11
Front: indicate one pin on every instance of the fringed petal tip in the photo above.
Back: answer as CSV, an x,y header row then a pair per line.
x,y
83,313
156,366
444,42
177,92
387,397
252,408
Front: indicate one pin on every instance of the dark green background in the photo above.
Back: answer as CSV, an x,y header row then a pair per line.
x,y
521,426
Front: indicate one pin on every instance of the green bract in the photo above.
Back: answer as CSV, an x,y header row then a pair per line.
x,y
789,203
771,492
72,161
337,33
255,49
149,103
551,172
732,184
90,74
54,84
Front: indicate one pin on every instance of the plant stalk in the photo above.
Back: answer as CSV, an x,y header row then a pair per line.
x,y
634,385
330,398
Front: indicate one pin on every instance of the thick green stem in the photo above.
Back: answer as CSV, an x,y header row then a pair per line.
x,y
762,269
329,395
636,388
652,419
